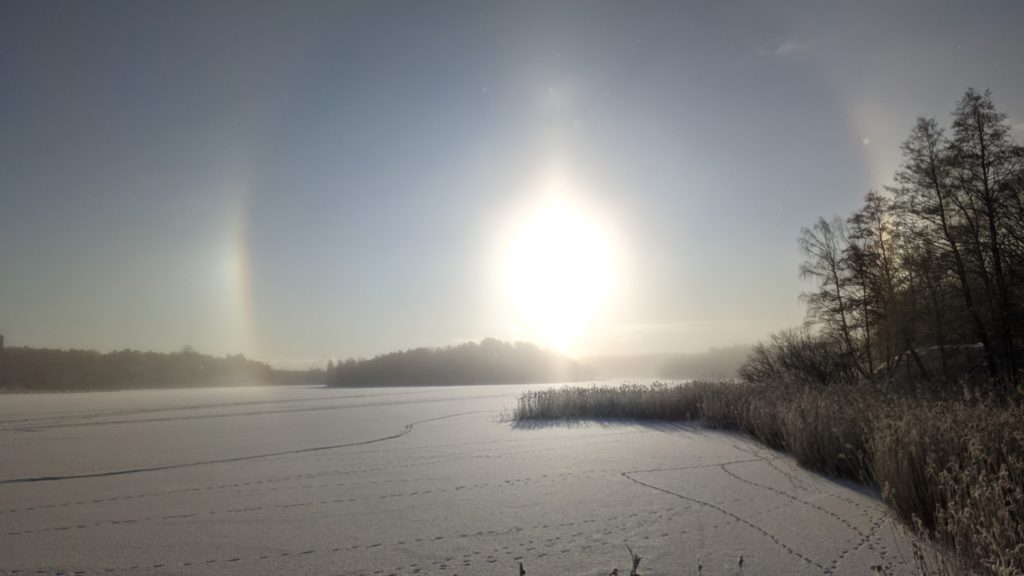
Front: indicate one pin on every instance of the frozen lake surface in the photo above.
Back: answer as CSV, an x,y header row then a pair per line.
x,y
404,481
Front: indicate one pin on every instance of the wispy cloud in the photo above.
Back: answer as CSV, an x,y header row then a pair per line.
x,y
790,48
1017,127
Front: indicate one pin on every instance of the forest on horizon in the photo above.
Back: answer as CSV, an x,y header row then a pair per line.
x,y
53,370
489,361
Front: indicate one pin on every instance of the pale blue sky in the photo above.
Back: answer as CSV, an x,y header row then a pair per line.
x,y
312,180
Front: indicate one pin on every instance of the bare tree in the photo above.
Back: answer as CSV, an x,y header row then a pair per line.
x,y
926,191
935,265
823,246
986,164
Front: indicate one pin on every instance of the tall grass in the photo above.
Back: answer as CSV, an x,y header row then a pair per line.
x,y
951,468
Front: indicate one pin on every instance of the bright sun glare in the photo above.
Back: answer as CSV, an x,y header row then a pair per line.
x,y
558,271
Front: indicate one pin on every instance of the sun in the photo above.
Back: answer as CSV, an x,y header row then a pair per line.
x,y
558,271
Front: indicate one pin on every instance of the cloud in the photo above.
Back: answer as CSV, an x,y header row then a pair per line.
x,y
791,48
1017,127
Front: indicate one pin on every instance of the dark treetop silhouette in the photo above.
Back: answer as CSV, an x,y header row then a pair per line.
x,y
36,369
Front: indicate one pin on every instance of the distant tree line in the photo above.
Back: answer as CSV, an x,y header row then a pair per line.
x,y
37,369
488,362
925,277
714,363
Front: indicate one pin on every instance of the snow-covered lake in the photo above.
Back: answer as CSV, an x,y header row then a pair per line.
x,y
404,481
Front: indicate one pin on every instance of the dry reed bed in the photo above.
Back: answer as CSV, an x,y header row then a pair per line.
x,y
952,469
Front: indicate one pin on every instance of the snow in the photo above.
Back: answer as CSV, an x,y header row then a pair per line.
x,y
409,481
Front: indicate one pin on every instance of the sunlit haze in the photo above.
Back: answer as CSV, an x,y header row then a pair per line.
x,y
559,268
305,181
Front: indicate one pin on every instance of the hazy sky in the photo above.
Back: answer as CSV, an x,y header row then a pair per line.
x,y
334,179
